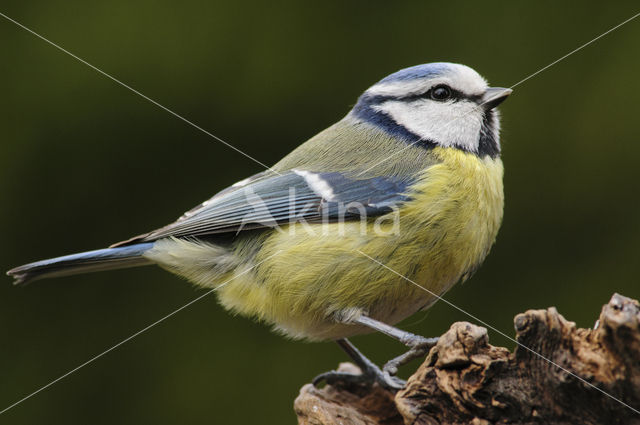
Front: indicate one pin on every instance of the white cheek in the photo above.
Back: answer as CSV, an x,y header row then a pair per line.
x,y
447,124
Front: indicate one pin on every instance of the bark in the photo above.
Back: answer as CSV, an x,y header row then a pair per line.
x,y
558,374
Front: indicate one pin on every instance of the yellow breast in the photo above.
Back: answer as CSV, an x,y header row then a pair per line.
x,y
460,201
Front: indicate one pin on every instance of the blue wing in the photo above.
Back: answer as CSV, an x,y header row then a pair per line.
x,y
267,200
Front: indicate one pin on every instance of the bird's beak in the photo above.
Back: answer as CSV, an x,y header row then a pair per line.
x,y
494,96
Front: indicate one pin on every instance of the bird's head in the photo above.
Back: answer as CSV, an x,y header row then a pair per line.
x,y
436,104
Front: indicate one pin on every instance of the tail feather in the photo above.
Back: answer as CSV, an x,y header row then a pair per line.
x,y
84,262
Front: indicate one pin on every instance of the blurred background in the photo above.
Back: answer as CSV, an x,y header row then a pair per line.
x,y
85,162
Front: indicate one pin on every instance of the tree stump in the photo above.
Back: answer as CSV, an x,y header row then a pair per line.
x,y
558,374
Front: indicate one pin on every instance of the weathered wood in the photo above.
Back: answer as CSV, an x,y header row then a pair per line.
x,y
465,380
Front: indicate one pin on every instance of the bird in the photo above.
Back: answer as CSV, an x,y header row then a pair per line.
x,y
363,225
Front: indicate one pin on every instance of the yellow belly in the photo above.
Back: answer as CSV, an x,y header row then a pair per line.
x,y
444,233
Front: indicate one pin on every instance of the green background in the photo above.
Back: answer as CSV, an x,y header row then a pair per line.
x,y
85,162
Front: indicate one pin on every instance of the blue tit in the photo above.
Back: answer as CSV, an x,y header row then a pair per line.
x,y
410,178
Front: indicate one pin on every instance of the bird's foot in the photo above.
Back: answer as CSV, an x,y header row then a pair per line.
x,y
372,374
419,346
369,374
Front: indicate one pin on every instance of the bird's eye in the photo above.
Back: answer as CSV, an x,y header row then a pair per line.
x,y
440,93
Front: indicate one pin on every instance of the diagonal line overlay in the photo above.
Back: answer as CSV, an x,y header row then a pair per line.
x,y
266,167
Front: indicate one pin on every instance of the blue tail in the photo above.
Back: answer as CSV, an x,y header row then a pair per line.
x,y
84,262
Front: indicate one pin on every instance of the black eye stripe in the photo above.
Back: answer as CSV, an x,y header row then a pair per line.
x,y
456,96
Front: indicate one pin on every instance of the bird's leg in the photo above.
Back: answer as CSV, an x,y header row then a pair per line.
x,y
370,372
418,345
